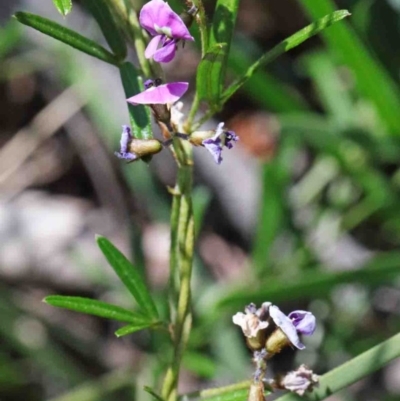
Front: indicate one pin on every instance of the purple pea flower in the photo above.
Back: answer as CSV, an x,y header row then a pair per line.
x,y
216,143
298,322
159,94
126,139
166,26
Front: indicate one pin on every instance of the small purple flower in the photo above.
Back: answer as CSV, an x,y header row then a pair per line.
x,y
216,143
126,139
302,322
166,26
161,94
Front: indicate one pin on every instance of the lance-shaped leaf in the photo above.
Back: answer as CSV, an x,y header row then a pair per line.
x,y
130,276
97,308
132,328
139,115
286,45
66,35
111,31
64,7
210,74
222,28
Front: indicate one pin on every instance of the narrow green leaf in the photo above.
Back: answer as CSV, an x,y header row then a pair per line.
x,y
132,328
97,308
371,78
66,35
286,45
210,73
111,31
129,275
139,115
353,370
64,7
222,28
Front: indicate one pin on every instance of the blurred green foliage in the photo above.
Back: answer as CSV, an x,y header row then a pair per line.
x,y
346,126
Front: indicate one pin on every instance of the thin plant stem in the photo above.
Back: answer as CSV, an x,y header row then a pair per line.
x,y
201,20
182,244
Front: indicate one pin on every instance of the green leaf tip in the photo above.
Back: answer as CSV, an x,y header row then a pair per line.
x,y
64,7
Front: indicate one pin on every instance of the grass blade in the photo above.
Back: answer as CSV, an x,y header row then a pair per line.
x,y
286,45
96,308
130,276
66,36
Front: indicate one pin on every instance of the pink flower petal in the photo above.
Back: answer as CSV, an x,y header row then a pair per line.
x,y
152,46
166,53
163,94
157,13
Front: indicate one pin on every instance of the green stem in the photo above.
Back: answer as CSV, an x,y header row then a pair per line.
x,y
182,243
201,20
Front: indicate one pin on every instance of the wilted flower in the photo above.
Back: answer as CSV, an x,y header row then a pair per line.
x,y
249,322
299,381
253,326
155,93
132,149
166,26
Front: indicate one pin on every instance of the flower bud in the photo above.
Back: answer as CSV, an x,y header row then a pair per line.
x,y
145,147
132,148
299,381
197,137
276,342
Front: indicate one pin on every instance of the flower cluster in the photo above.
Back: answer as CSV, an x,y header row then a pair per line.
x,y
168,29
267,331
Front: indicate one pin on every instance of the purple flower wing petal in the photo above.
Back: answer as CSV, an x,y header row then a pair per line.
x,y
163,94
152,46
304,321
215,148
286,325
166,53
